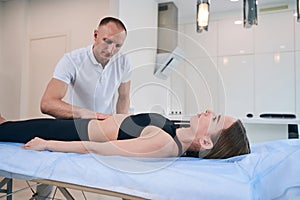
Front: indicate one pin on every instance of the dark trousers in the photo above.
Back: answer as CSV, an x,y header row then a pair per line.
x,y
49,129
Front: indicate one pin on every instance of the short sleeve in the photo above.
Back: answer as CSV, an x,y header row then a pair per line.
x,y
127,71
64,70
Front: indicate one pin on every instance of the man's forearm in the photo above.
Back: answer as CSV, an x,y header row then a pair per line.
x,y
123,105
61,109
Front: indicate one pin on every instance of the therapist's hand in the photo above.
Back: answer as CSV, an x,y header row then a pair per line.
x,y
87,114
37,144
102,116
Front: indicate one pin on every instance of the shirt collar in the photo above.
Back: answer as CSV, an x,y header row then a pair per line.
x,y
95,62
91,55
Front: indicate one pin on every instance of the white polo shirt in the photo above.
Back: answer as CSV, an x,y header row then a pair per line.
x,y
91,86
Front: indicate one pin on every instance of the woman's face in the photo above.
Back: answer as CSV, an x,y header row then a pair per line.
x,y
109,39
208,123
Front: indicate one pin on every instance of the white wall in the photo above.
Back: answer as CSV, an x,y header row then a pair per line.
x,y
297,63
33,24
199,71
243,60
257,68
1,41
13,50
34,20
59,27
77,17
147,92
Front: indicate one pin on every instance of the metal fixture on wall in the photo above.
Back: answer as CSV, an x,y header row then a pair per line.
x,y
169,55
298,10
167,27
202,15
250,13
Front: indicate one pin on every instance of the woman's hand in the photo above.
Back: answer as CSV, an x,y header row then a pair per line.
x,y
37,144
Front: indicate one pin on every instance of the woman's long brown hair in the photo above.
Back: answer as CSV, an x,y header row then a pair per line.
x,y
230,142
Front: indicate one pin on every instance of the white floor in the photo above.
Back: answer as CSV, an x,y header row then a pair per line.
x,y
26,194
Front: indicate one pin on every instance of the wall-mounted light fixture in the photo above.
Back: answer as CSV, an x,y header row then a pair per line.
x,y
250,13
202,15
298,10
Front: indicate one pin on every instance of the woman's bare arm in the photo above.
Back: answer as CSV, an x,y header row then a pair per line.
x,y
158,145
40,144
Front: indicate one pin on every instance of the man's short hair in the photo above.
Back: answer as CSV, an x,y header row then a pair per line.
x,y
118,22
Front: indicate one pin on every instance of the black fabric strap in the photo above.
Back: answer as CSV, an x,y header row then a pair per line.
x,y
178,145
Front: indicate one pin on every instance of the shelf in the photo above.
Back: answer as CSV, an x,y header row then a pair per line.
x,y
245,120
178,117
270,121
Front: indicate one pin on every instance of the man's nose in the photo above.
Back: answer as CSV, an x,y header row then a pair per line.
x,y
111,48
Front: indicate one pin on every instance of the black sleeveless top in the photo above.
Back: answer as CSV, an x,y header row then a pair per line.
x,y
133,125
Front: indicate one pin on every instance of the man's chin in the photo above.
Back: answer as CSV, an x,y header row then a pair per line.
x,y
106,58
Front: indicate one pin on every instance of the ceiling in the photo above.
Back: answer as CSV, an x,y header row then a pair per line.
x,y
187,8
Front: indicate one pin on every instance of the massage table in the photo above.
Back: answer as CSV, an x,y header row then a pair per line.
x,y
271,171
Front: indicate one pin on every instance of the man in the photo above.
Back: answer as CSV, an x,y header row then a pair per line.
x,y
92,76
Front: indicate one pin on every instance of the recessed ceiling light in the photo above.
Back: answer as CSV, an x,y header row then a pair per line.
x,y
225,61
282,46
238,22
277,57
234,0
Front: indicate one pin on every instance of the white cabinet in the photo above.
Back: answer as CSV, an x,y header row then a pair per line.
x,y
298,83
275,32
147,93
236,88
274,83
198,45
263,81
297,35
199,71
201,88
234,39
257,67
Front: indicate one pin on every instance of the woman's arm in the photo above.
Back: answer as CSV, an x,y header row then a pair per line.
x,y
39,144
156,145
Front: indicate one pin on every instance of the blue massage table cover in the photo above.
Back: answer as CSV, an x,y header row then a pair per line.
x,y
271,171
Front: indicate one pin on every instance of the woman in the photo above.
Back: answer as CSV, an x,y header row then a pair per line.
x,y
142,135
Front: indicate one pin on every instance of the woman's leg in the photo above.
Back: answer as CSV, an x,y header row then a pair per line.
x,y
49,129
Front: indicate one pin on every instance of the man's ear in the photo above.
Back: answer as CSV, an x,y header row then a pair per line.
x,y
95,33
206,142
